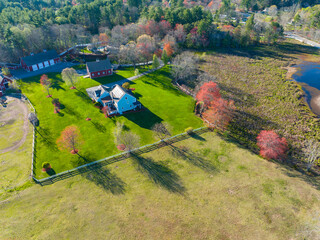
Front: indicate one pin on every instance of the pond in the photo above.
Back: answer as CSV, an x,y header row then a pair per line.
x,y
308,76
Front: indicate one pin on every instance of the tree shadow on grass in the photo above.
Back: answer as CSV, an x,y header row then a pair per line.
x,y
197,137
145,119
103,177
99,126
46,135
70,111
83,95
193,158
159,174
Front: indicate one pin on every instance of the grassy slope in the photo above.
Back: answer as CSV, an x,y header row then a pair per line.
x,y
164,103
218,191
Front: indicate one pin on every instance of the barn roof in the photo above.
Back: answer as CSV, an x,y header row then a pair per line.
x,y
99,66
40,57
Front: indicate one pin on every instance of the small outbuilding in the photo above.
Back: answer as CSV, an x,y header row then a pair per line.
x,y
4,84
41,60
99,68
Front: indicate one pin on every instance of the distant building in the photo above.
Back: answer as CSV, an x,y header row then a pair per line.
x,y
41,60
4,84
100,68
117,100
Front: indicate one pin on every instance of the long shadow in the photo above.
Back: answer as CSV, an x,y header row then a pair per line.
x,y
197,137
99,126
103,177
193,158
159,174
46,135
70,111
83,96
145,119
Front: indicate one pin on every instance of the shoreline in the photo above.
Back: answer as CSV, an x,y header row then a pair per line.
x,y
312,95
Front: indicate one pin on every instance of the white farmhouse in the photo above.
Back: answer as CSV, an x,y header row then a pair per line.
x,y
117,100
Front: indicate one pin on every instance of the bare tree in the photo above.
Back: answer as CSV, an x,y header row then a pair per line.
x,y
184,66
129,53
70,76
129,140
311,152
161,130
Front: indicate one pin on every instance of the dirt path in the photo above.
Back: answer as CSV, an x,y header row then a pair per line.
x,y
22,106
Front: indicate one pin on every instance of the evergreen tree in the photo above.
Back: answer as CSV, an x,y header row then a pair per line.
x,y
155,63
165,57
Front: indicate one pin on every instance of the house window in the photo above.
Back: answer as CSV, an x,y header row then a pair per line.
x,y
126,98
92,74
130,105
104,72
98,73
122,107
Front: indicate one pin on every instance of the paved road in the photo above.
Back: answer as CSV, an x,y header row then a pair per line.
x,y
302,39
21,73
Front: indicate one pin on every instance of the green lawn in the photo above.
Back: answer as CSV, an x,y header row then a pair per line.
x,y
155,92
216,190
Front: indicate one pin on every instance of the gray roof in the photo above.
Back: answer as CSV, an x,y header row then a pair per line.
x,y
99,66
40,57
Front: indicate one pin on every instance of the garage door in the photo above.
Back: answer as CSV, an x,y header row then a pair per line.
x,y
40,65
46,64
51,62
34,67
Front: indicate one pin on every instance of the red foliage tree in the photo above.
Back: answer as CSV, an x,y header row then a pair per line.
x,y
169,49
208,92
271,145
219,113
158,53
103,38
46,83
70,139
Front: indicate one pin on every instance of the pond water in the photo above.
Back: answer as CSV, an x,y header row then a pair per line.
x,y
308,75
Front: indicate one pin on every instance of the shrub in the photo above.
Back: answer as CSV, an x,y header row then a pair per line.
x,y
126,85
271,145
46,165
56,102
189,130
98,105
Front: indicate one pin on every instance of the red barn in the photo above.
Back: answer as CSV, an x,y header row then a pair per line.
x,y
99,68
4,84
41,60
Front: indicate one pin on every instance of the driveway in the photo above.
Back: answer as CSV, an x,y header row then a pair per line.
x,y
21,73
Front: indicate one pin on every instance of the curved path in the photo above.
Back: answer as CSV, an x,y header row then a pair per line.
x,y
22,106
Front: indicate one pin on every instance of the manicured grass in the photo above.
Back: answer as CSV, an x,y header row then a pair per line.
x,y
155,91
216,191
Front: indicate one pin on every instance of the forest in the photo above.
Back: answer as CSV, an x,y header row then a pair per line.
x,y
31,26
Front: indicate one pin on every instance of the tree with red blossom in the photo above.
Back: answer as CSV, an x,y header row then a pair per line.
x,y
219,113
46,83
271,145
208,93
70,139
